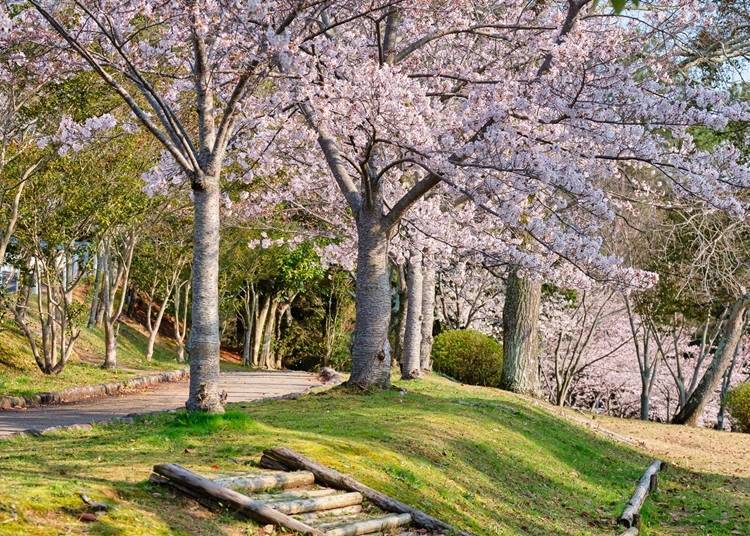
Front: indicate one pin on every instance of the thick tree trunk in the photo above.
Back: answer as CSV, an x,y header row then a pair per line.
x,y
410,362
520,329
428,313
691,412
371,360
204,340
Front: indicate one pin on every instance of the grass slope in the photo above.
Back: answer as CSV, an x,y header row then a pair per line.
x,y
19,375
486,461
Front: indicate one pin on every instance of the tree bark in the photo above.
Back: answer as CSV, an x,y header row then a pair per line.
x,y
260,325
204,342
732,330
398,346
371,360
410,362
110,345
266,353
428,313
95,292
520,334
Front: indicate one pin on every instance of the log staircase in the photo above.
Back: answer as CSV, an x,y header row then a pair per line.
x,y
302,496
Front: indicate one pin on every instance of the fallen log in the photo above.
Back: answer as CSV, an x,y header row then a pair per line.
x,y
368,526
648,482
287,459
183,479
317,504
265,482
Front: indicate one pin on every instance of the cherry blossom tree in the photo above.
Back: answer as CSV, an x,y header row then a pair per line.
x,y
186,71
532,113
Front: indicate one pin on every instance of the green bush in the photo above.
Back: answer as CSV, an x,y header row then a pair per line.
x,y
469,357
738,404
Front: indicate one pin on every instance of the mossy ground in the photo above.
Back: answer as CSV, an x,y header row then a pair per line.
x,y
486,461
20,376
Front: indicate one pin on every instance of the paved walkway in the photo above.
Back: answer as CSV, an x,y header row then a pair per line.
x,y
240,387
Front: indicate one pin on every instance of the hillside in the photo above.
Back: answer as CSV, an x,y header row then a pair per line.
x,y
19,375
487,461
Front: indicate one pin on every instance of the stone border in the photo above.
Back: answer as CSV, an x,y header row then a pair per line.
x,y
90,392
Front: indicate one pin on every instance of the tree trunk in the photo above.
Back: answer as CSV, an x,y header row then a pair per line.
x,y
428,313
204,342
691,412
645,403
110,345
520,330
266,353
371,360
95,292
410,362
154,329
260,325
398,346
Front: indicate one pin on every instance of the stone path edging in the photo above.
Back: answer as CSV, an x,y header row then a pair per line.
x,y
90,392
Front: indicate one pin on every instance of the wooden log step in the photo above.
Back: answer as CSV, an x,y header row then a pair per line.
x,y
182,479
292,494
328,516
284,458
269,481
317,504
367,526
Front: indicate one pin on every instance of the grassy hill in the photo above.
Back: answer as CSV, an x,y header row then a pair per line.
x,y
19,375
487,461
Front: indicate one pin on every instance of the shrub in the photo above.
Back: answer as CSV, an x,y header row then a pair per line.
x,y
738,404
469,357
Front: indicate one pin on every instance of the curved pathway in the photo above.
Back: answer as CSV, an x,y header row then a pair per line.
x,y
240,387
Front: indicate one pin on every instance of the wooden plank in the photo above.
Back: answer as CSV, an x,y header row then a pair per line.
x,y
293,479
259,511
317,504
648,481
283,457
367,526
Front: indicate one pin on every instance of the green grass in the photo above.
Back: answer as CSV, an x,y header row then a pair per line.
x,y
20,376
484,460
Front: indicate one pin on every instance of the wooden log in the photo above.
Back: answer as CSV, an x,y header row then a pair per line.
x,y
295,494
631,514
284,457
367,526
317,504
205,501
242,503
294,479
339,513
